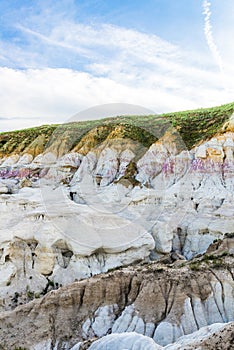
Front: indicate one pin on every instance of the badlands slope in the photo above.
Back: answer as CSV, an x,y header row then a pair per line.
x,y
119,233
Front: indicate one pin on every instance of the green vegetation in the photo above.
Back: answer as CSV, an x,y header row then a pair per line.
x,y
82,139
29,293
210,260
229,235
200,124
195,266
20,140
193,126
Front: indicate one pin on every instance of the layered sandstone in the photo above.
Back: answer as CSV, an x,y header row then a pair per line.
x,y
78,202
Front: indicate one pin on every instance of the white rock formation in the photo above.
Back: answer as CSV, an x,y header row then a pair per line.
x,y
130,341
134,341
187,341
75,220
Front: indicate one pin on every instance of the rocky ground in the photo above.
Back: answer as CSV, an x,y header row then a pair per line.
x,y
119,238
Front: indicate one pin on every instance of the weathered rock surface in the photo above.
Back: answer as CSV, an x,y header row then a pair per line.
x,y
75,217
131,341
73,210
161,302
218,336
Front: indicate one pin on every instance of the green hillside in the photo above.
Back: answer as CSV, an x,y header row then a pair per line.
x,y
193,126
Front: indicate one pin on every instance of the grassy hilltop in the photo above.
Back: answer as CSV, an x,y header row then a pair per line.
x,y
193,126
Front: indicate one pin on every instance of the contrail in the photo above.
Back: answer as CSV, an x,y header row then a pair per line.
x,y
209,34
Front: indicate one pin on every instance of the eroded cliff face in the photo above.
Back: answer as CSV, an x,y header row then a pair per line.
x,y
162,302
74,206
217,336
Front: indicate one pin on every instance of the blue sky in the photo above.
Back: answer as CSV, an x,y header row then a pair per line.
x,y
60,57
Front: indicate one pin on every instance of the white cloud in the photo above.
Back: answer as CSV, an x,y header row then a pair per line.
x,y
209,34
119,65
53,95
100,44
53,41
